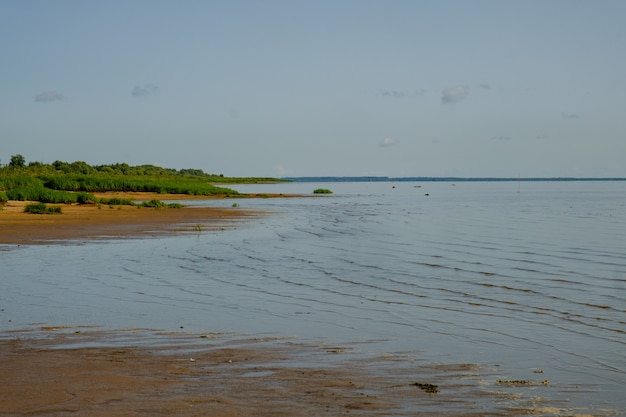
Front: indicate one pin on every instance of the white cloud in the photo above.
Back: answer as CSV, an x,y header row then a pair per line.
x,y
144,90
49,96
389,142
454,94
501,138
569,116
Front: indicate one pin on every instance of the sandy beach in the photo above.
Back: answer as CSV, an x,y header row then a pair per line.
x,y
92,222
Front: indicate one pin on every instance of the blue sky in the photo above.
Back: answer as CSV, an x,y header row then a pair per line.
x,y
300,88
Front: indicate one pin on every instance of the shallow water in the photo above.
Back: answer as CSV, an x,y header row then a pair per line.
x,y
524,277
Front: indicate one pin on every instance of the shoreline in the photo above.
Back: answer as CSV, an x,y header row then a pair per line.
x,y
64,371
98,222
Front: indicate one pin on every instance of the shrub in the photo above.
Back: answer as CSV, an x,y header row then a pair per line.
x,y
41,208
3,197
322,191
157,204
85,198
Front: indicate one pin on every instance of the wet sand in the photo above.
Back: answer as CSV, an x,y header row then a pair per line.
x,y
91,222
93,374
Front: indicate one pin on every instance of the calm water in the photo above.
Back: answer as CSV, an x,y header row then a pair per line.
x,y
522,278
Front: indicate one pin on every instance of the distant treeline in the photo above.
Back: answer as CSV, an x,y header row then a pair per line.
x,y
17,164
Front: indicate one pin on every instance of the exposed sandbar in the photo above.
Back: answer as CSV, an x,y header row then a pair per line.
x,y
91,221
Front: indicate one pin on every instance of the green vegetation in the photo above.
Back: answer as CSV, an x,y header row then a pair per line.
x,y
322,191
124,183
63,182
41,208
157,204
17,161
116,201
18,165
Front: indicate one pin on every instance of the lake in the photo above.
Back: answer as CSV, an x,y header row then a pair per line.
x,y
529,277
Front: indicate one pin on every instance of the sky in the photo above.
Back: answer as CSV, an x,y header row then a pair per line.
x,y
315,88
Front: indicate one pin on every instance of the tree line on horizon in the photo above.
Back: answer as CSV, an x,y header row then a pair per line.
x,y
17,164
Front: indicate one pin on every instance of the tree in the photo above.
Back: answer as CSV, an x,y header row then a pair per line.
x,y
81,167
62,166
17,161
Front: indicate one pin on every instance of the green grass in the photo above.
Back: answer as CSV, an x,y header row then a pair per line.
x,y
8,182
41,208
46,195
116,201
157,204
322,191
161,185
79,188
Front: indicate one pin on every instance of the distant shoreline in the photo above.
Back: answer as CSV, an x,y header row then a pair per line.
x,y
443,179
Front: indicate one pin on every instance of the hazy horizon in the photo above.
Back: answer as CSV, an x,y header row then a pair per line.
x,y
295,89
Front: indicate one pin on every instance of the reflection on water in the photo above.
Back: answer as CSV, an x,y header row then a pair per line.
x,y
473,272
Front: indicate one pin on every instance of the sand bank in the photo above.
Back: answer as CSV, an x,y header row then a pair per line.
x,y
88,222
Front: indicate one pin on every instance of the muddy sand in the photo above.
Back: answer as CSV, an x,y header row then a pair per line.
x,y
56,372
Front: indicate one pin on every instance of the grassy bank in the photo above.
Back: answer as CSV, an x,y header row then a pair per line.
x,y
63,182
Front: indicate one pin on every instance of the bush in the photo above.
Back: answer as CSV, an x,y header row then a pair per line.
x,y
157,204
86,198
3,197
41,208
322,191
